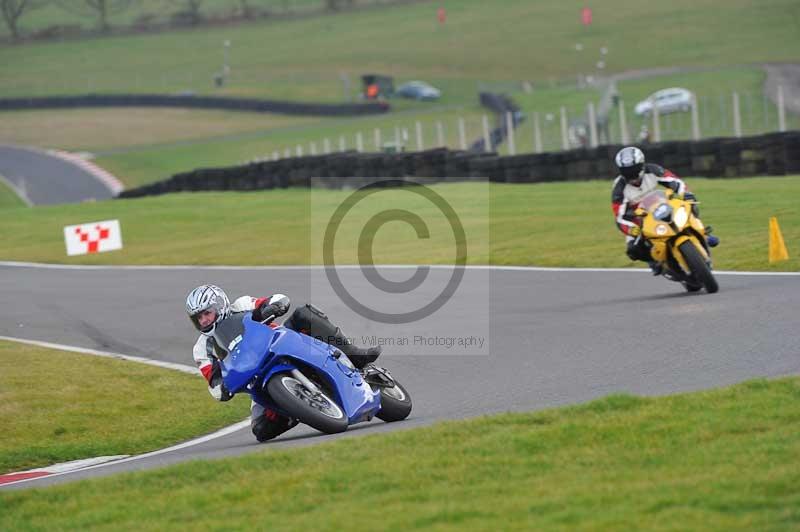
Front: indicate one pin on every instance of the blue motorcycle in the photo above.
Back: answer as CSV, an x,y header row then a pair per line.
x,y
304,378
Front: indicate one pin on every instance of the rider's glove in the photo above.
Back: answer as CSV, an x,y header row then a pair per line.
x,y
280,303
635,231
218,390
276,306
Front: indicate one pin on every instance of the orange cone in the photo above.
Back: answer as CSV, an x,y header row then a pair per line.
x,y
777,248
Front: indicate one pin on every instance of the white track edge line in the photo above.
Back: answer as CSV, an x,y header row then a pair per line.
x,y
106,354
179,267
202,439
167,365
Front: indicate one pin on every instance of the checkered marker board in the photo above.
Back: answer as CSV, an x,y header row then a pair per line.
x,y
94,237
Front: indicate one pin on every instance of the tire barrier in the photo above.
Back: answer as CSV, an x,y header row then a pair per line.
x,y
194,102
771,154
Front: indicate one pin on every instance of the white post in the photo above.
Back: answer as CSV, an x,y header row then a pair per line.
x,y
287,153
298,150
624,136
512,149
564,137
737,117
359,142
781,110
695,120
276,156
326,146
418,128
537,134
342,143
487,140
656,125
462,134
312,148
397,137
593,142
439,133
377,136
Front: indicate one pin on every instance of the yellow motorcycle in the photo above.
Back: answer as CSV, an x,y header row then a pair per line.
x,y
677,239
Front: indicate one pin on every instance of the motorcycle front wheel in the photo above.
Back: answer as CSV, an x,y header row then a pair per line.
x,y
315,409
697,265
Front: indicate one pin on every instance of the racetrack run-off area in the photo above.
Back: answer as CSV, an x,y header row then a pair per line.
x,y
554,336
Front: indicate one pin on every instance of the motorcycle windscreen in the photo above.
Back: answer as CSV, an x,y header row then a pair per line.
x,y
247,343
356,396
653,200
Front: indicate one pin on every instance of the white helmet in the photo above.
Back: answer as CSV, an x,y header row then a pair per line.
x,y
630,161
207,297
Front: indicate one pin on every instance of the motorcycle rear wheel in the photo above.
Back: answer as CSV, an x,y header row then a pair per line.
x,y
697,265
315,409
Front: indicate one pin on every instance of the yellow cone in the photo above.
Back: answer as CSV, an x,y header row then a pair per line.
x,y
777,249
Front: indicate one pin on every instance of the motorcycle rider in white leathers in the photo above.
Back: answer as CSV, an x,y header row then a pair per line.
x,y
637,179
207,305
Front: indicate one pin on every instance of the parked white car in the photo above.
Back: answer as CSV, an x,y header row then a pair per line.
x,y
418,90
667,101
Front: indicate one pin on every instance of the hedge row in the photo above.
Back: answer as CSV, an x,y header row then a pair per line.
x,y
194,102
772,154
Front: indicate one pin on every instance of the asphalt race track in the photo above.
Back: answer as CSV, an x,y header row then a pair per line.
x,y
46,179
553,337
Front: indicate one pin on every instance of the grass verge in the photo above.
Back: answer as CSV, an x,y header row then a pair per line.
x,y
550,224
715,460
9,198
57,406
128,128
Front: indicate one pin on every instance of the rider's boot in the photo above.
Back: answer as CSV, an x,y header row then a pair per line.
x,y
270,425
713,241
359,356
655,267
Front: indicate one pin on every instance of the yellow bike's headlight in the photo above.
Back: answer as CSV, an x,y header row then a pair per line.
x,y
681,217
661,229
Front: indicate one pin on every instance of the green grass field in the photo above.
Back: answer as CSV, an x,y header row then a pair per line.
x,y
304,59
270,59
99,407
145,145
131,129
154,163
551,224
714,460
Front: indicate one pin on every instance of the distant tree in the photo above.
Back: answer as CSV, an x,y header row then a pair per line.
x,y
245,9
190,8
334,5
13,11
102,9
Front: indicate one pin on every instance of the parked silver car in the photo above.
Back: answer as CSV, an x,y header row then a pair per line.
x,y
667,101
418,90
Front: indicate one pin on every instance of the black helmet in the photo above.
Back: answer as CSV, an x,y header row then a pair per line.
x,y
630,161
